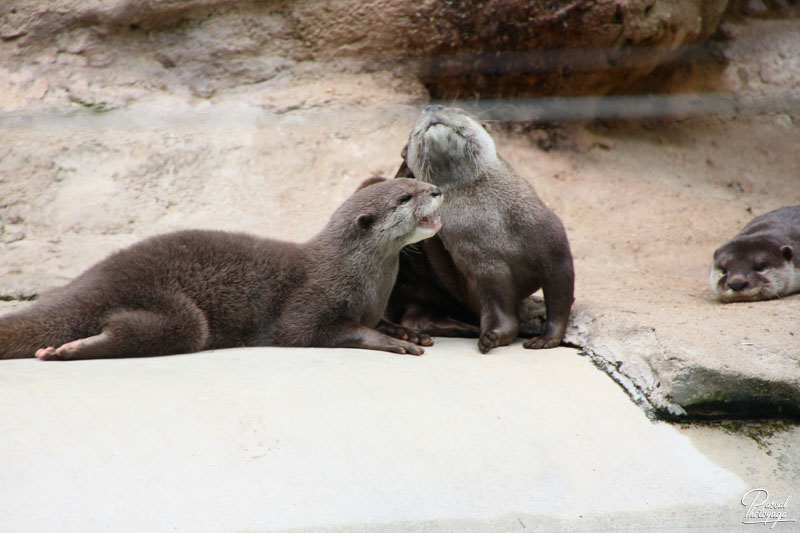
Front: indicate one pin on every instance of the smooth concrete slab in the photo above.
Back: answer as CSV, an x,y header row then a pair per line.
x,y
266,439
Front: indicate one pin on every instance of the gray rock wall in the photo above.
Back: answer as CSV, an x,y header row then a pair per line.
x,y
491,48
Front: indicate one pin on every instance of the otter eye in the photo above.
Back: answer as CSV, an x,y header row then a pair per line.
x,y
404,199
761,267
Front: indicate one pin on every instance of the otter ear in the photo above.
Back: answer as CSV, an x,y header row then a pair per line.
x,y
787,252
364,221
404,171
371,181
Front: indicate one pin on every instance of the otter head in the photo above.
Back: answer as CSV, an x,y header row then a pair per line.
x,y
753,267
392,213
447,145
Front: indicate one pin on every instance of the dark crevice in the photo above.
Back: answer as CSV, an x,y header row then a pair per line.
x,y
746,409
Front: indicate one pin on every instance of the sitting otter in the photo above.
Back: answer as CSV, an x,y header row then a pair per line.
x,y
762,262
198,290
498,244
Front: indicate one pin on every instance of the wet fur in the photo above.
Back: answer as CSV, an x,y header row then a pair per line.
x,y
762,262
499,243
197,290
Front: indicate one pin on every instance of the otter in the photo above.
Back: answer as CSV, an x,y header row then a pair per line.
x,y
197,290
762,262
498,244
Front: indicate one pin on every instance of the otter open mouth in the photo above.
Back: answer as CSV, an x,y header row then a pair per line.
x,y
430,222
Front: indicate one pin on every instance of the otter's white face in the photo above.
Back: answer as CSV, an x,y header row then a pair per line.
x,y
428,221
411,212
743,272
447,144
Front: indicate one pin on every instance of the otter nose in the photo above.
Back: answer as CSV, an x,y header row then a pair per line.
x,y
436,192
434,108
737,284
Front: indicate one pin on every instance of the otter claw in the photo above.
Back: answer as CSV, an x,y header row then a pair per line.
x,y
413,350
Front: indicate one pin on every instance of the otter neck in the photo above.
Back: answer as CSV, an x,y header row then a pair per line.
x,y
369,272
347,245
451,175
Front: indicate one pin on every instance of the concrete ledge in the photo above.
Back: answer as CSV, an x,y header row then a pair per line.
x,y
270,439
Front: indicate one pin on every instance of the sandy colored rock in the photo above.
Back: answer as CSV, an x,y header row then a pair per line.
x,y
109,54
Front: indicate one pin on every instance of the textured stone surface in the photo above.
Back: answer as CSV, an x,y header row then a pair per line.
x,y
117,51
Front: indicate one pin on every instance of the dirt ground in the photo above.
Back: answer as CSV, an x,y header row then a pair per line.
x,y
645,202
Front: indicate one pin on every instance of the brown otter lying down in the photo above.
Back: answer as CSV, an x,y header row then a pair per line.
x,y
197,290
762,262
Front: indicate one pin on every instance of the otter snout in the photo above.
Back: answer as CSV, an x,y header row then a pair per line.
x,y
732,285
738,283
428,220
749,284
428,214
441,142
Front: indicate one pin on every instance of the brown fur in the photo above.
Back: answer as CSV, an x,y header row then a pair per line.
x,y
762,262
499,243
197,290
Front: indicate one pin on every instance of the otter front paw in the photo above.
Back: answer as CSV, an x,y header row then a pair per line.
x,y
405,334
403,348
418,338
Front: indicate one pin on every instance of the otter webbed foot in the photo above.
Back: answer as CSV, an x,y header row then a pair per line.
x,y
358,336
493,338
403,333
488,340
540,343
89,348
553,335
498,327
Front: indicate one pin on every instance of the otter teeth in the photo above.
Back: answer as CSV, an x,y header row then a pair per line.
x,y
428,222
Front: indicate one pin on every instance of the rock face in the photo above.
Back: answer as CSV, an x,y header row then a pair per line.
x,y
491,48
512,49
